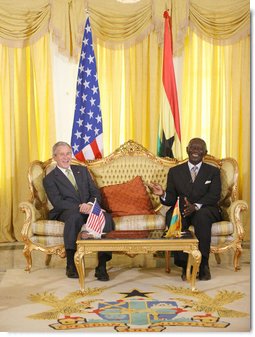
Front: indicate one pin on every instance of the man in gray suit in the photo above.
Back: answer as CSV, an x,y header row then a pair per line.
x,y
198,187
72,199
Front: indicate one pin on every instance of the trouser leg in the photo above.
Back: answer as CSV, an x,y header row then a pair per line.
x,y
109,223
202,221
70,257
181,258
103,257
73,222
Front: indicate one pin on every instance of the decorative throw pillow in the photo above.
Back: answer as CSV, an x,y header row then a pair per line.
x,y
129,198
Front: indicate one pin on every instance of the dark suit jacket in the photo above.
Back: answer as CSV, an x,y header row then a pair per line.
x,y
205,190
63,195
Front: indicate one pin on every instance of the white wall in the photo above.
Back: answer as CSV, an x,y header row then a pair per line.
x,y
64,86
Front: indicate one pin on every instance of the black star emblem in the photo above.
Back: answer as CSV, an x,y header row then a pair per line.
x,y
166,147
136,292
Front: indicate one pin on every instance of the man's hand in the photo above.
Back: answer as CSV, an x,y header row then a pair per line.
x,y
156,189
85,208
188,208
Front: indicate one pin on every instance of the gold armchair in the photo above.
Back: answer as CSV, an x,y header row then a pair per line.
x,y
228,234
38,233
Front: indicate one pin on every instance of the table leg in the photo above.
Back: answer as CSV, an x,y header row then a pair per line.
x,y
79,260
167,261
194,260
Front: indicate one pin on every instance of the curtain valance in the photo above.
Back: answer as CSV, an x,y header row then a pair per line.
x,y
121,23
115,23
218,21
23,22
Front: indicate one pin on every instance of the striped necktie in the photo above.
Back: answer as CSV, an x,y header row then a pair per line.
x,y
193,173
71,178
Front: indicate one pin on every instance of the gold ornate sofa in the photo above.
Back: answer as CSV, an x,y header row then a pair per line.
x,y
124,164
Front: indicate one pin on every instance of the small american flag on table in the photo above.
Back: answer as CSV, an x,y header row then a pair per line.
x,y
96,220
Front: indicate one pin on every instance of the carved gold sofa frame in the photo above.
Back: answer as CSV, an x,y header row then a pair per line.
x,y
128,161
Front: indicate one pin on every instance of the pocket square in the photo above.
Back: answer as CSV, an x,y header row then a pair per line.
x,y
208,182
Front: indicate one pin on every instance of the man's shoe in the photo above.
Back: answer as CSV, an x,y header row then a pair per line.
x,y
71,272
204,274
101,273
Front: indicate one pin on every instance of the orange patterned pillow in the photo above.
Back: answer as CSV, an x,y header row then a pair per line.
x,y
130,198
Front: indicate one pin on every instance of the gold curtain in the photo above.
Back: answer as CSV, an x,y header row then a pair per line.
x,y
129,68
119,24
27,126
216,102
130,87
115,23
23,22
218,21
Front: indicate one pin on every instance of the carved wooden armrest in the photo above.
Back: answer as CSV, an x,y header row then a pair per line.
x,y
30,216
234,212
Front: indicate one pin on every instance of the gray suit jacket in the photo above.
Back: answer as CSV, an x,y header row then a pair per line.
x,y
63,195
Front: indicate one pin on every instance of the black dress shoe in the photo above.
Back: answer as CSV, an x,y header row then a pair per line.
x,y
71,272
204,273
101,273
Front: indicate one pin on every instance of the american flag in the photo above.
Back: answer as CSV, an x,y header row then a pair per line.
x,y
96,220
87,133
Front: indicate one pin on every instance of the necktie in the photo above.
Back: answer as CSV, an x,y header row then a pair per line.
x,y
71,178
193,172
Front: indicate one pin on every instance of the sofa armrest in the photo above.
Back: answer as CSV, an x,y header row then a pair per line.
x,y
234,212
31,215
162,209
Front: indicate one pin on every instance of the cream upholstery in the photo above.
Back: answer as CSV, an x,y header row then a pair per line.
x,y
128,161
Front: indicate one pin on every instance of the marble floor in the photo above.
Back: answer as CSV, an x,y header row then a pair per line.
x,y
12,262
11,257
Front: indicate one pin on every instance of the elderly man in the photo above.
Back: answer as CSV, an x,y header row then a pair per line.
x,y
72,191
198,186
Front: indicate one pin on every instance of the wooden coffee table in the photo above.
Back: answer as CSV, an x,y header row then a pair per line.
x,y
187,244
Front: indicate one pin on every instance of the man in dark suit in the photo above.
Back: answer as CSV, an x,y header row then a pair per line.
x,y
72,199
198,187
